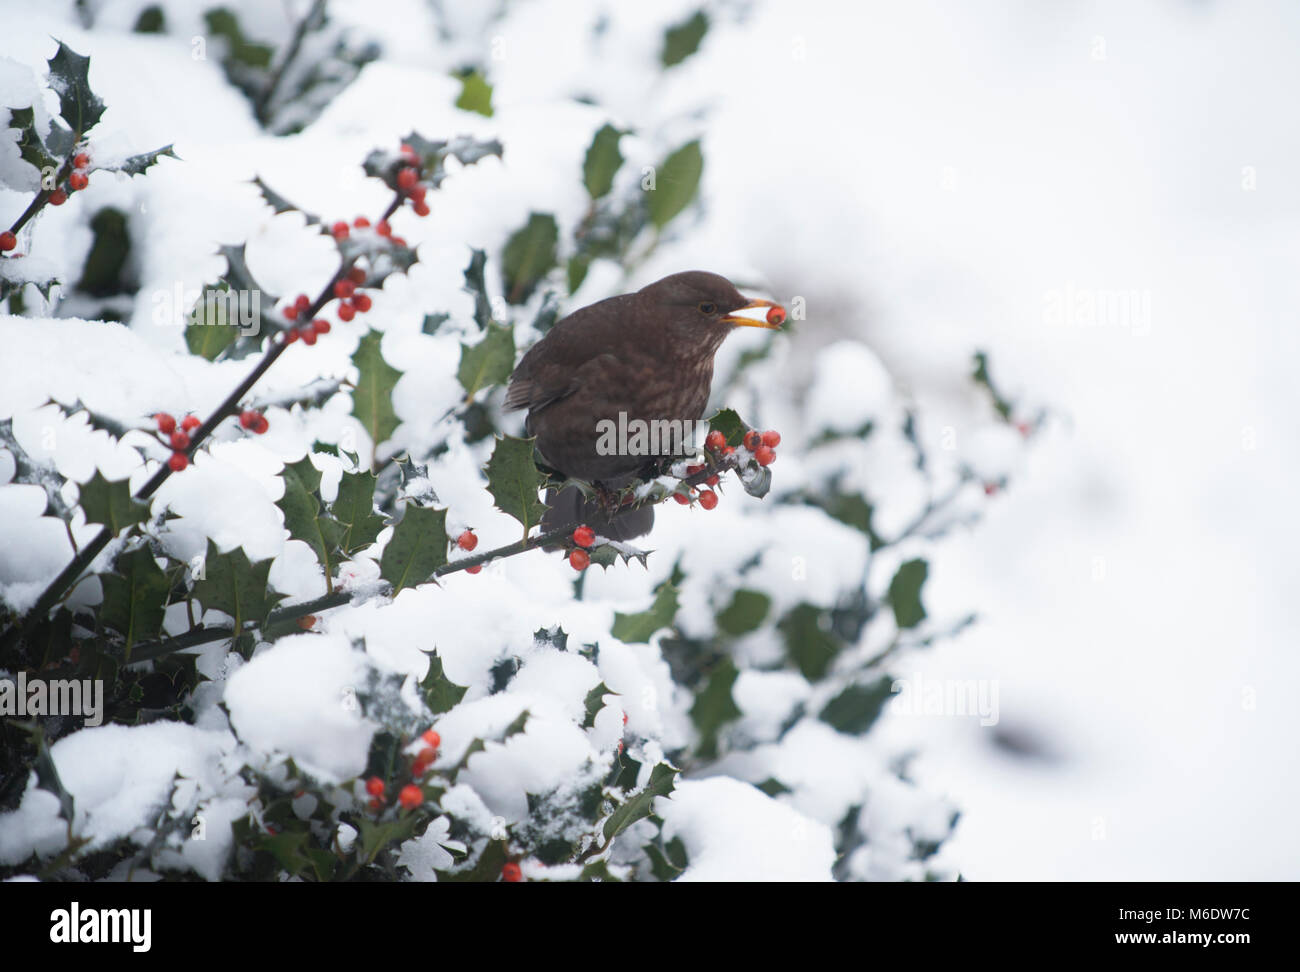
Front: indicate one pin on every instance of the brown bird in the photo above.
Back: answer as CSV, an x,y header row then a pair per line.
x,y
625,363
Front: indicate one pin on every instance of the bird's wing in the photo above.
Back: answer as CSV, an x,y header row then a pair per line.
x,y
555,366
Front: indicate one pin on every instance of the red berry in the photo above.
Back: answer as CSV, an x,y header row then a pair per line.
x,y
579,559
715,440
190,422
321,326
409,154
291,313
410,797
681,498
474,570
1024,429
58,197
431,737
776,316
421,208
7,240
375,786
511,872
692,470
307,622
261,425
362,302
753,440
180,440
712,480
290,337
771,439
346,312
361,222
383,229
308,335
624,718
990,489
178,461
584,536
343,289
376,805
407,178
78,181
765,455
708,499
467,540
248,418
340,230
166,424
80,160
302,302
728,450
418,193
398,240
357,276
423,761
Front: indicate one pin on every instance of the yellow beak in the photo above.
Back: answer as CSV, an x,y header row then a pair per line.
x,y
773,320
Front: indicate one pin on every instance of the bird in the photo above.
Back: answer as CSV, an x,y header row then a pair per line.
x,y
643,357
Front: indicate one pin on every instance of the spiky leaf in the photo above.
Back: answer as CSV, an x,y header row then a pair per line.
x,y
418,547
514,481
372,400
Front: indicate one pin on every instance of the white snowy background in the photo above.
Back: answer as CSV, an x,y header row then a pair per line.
x,y
927,176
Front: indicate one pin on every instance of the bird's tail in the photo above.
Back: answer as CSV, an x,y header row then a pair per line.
x,y
569,508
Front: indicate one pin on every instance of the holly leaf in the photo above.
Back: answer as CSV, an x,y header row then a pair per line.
x,y
135,597
514,481
111,504
372,400
476,285
489,362
418,547
662,779
302,508
745,613
354,508
432,322
280,204
714,706
70,80
855,709
594,702
134,165
676,184
475,94
905,593
602,161
807,643
682,40
528,256
30,147
730,425
441,694
47,777
232,584
637,628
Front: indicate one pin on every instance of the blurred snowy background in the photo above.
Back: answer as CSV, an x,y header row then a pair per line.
x,y
932,178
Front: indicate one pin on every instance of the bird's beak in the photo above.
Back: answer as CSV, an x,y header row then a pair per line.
x,y
772,320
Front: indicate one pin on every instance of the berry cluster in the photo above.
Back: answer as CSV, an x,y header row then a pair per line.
x,y
408,181
584,536
467,541
410,796
77,181
762,445
177,439
254,421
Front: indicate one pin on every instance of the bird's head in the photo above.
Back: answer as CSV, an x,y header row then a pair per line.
x,y
701,308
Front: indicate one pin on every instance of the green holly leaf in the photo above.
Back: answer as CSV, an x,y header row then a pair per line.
x,y
905,593
432,322
441,694
594,702
676,184
714,706
30,147
302,510
279,204
489,362
237,301
476,285
47,777
730,425
70,80
475,94
111,504
354,508
134,165
487,868
232,584
667,864
372,400
418,547
208,331
602,162
855,709
637,628
683,40
662,779
745,613
529,256
514,481
576,271
135,597
809,644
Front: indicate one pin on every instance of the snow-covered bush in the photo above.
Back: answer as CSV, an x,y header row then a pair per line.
x,y
290,542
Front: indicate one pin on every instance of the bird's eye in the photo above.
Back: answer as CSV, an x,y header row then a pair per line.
x,y
708,307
